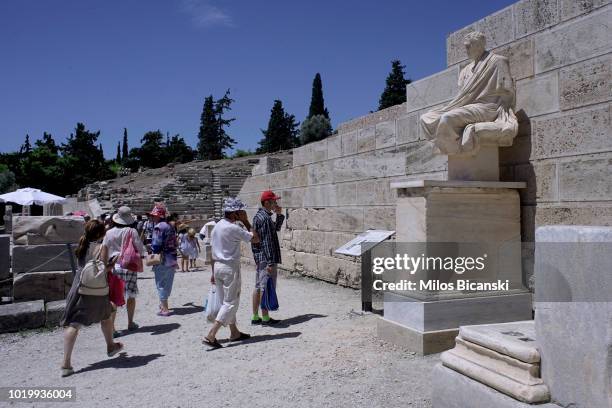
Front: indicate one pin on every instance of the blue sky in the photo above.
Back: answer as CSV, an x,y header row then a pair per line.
x,y
148,65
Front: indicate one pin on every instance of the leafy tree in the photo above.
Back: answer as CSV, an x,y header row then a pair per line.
x,y
281,133
26,147
315,128
7,179
43,167
213,140
125,145
242,153
395,89
151,153
82,161
317,103
177,151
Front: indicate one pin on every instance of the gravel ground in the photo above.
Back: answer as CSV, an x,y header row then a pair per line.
x,y
323,355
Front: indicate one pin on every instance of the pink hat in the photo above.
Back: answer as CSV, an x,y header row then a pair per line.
x,y
159,210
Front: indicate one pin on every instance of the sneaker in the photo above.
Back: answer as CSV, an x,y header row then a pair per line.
x,y
270,322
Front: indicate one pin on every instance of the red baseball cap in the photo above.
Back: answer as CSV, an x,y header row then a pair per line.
x,y
269,195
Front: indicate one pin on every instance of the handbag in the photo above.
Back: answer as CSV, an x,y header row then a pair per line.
x,y
94,280
269,300
153,259
130,258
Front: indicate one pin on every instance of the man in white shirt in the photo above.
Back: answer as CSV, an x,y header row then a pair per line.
x,y
225,242
205,233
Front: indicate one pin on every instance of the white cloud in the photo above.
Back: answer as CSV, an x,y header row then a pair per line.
x,y
206,14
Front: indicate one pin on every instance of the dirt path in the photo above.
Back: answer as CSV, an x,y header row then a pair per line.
x,y
323,356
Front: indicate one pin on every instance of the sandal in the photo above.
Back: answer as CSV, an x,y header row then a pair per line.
x,y
214,344
117,348
67,372
243,336
164,313
133,326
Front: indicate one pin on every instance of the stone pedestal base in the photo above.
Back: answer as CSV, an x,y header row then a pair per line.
x,y
431,327
454,390
460,213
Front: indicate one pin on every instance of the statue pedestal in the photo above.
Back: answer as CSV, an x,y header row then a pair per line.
x,y
482,166
456,212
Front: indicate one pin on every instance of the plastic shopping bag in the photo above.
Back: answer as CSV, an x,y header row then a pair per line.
x,y
269,300
212,305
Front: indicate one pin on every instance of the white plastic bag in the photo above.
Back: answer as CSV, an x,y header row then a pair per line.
x,y
212,305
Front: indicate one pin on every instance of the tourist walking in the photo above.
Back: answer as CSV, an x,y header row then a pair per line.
x,y
114,241
163,243
225,240
84,310
267,252
147,231
193,247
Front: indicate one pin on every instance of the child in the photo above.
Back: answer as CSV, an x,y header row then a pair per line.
x,y
183,246
194,247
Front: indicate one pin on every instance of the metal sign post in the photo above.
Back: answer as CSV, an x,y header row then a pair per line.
x,y
362,246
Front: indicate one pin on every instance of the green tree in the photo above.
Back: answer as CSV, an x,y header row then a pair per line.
x,y
395,89
317,103
125,145
7,179
44,166
82,161
177,151
213,139
242,153
118,158
26,147
281,133
315,128
151,153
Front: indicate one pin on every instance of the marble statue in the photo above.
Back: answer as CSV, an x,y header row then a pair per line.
x,y
482,112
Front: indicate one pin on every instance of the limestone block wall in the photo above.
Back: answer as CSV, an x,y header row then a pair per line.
x,y
559,53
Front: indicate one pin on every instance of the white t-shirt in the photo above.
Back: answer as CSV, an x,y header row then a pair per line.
x,y
113,240
204,231
225,241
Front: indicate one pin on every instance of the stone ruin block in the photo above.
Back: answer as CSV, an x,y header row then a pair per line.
x,y
20,316
5,258
35,230
54,312
49,286
41,258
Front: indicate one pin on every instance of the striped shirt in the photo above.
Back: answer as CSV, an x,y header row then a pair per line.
x,y
268,249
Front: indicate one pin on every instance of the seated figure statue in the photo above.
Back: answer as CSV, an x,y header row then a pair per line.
x,y
482,112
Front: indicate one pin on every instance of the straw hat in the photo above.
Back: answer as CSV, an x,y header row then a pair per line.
x,y
124,216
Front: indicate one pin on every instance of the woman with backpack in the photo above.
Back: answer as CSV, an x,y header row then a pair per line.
x,y
86,309
117,242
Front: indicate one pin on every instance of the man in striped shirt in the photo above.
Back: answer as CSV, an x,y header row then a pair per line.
x,y
267,252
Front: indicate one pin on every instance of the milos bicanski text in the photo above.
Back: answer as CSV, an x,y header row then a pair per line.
x,y
412,265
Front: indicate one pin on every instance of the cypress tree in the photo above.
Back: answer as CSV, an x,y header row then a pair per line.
x,y
212,137
125,144
207,136
317,103
118,159
395,89
281,133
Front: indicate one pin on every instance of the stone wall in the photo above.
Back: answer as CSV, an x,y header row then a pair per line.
x,y
559,52
560,55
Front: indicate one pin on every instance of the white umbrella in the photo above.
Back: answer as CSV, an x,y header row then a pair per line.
x,y
29,196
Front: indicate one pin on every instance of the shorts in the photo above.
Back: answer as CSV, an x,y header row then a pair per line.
x,y
131,281
262,275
